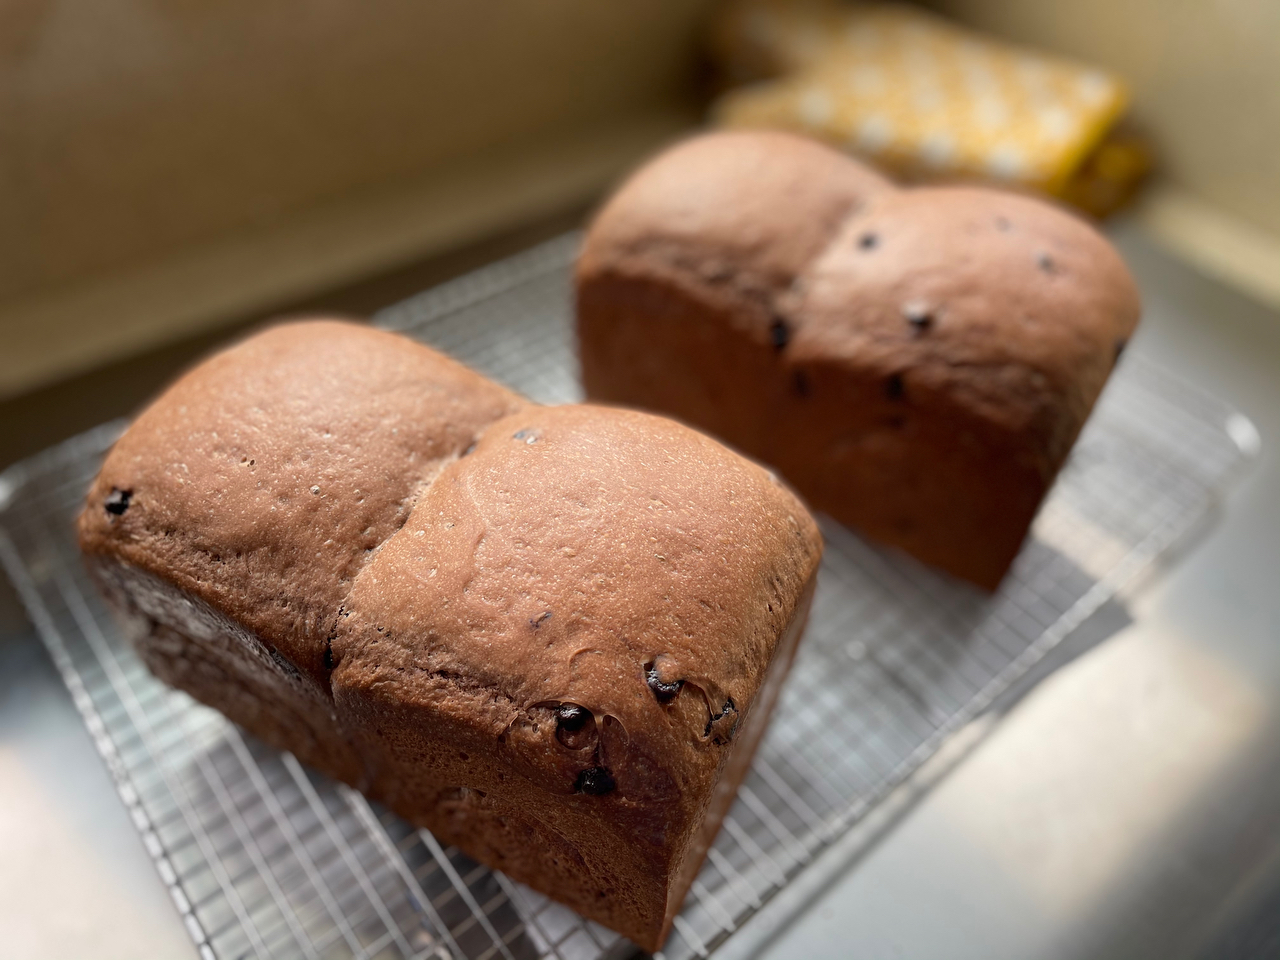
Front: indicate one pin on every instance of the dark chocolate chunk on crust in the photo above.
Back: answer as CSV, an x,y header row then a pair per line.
x,y
117,501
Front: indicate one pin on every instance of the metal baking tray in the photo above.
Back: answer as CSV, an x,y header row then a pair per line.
x,y
265,858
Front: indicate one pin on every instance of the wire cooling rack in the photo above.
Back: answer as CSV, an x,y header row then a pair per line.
x,y
265,858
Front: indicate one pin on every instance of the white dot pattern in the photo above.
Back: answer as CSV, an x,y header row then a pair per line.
x,y
918,94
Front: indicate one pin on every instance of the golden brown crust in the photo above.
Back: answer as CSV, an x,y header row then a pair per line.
x,y
917,362
539,634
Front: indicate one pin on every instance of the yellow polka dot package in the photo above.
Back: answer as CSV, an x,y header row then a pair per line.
x,y
927,99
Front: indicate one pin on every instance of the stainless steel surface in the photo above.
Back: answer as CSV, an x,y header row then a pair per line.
x,y
837,746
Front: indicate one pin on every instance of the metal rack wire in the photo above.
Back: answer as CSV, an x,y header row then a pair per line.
x,y
264,858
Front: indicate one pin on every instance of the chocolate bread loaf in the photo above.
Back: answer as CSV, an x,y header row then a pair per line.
x,y
918,362
551,635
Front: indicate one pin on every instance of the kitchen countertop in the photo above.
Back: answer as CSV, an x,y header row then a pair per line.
x,y
1128,805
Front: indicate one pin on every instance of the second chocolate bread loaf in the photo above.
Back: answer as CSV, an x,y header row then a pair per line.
x,y
918,362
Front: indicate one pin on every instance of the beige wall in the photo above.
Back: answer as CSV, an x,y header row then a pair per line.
x,y
131,127
168,165
1206,78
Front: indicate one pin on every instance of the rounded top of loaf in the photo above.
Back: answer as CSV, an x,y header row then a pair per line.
x,y
574,553
260,480
1001,305
744,208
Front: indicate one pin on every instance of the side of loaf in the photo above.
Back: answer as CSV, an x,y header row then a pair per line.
x,y
918,362
551,635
